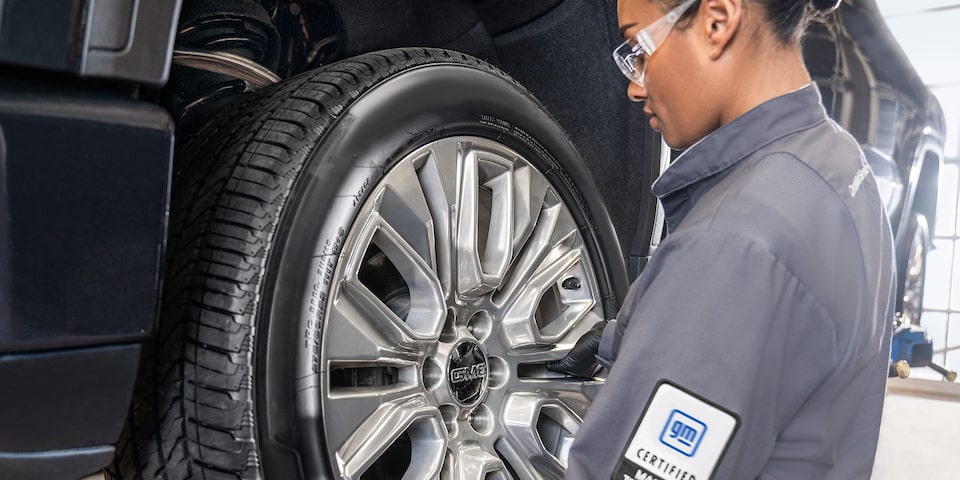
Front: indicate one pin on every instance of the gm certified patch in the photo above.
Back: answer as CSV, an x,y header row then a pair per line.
x,y
680,436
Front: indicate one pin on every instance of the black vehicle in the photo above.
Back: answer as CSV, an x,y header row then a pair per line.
x,y
341,239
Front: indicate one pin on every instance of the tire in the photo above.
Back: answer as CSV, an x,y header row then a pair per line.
x,y
912,270
368,267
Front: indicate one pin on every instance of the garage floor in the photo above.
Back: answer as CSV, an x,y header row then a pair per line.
x,y
920,431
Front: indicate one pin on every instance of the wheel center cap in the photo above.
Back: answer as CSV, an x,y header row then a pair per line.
x,y
467,373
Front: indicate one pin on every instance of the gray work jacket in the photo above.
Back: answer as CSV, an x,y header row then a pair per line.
x,y
770,301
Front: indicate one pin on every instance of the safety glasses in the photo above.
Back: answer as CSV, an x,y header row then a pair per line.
x,y
631,56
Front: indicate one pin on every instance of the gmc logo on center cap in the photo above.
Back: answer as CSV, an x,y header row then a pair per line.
x,y
468,373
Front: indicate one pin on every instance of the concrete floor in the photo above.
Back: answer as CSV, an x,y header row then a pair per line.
x,y
919,432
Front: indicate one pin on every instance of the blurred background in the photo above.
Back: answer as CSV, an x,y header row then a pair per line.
x,y
921,423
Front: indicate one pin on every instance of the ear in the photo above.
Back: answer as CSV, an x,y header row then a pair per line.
x,y
721,20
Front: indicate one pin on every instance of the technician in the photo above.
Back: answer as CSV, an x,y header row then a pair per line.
x,y
756,342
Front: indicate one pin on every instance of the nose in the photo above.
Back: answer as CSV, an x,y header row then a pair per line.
x,y
636,93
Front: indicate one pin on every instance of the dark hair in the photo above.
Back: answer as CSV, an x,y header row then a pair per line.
x,y
788,18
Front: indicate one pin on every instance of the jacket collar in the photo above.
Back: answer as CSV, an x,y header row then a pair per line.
x,y
724,147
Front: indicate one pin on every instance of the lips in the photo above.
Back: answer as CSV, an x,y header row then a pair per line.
x,y
652,118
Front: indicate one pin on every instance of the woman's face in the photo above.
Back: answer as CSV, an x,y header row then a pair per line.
x,y
676,92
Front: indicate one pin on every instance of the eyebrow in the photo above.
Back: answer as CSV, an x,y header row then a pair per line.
x,y
624,28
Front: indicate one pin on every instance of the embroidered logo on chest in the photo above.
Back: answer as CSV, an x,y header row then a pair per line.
x,y
858,180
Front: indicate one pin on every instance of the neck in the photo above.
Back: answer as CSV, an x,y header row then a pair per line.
x,y
763,75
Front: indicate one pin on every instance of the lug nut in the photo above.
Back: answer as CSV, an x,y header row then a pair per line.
x,y
571,283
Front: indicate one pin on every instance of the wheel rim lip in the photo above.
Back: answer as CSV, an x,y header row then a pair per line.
x,y
914,278
467,307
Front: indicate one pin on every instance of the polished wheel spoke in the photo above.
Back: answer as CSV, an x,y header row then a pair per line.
x,y
530,190
468,261
394,288
575,390
360,304
532,376
498,251
409,419
484,240
541,429
362,337
378,379
426,305
436,170
472,462
403,206
543,310
533,256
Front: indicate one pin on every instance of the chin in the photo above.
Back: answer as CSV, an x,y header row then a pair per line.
x,y
675,143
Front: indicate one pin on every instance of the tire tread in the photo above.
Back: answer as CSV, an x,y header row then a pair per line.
x,y
192,416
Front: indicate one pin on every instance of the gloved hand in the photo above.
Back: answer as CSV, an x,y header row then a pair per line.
x,y
581,360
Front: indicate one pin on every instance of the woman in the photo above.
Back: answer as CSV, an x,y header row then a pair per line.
x,y
756,342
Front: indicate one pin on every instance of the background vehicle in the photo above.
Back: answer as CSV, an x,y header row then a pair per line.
x,y
900,127
374,242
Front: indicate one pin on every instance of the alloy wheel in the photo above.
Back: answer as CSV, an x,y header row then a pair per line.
x,y
464,273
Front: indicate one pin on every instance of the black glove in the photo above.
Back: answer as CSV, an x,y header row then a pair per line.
x,y
581,360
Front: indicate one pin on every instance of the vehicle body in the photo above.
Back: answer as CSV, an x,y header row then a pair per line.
x,y
93,108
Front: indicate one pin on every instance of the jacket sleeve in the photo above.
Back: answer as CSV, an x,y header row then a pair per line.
x,y
722,317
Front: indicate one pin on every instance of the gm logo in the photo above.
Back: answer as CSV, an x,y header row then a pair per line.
x,y
683,433
466,374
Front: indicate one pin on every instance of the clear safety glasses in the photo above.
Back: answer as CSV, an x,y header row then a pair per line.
x,y
631,56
